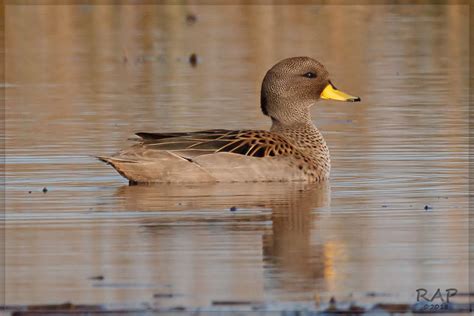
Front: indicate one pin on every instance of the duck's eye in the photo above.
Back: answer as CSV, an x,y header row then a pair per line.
x,y
310,75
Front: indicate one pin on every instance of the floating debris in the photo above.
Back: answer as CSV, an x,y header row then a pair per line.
x,y
428,207
233,303
163,295
376,294
233,209
193,59
384,205
177,309
191,18
29,192
97,278
45,189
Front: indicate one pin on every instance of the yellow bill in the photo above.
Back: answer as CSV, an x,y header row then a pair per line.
x,y
331,93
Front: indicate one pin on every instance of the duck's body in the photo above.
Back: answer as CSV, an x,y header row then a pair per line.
x,y
293,150
222,156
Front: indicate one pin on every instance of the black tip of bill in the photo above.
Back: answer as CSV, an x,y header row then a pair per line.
x,y
354,99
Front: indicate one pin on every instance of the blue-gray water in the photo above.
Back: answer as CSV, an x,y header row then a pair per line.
x,y
80,80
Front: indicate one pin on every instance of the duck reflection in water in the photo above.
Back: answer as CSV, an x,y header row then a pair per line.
x,y
272,227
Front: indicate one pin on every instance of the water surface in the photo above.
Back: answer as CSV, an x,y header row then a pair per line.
x,y
85,78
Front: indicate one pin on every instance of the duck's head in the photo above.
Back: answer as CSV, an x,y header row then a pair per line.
x,y
292,86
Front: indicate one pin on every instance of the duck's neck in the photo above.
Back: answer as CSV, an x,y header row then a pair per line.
x,y
306,136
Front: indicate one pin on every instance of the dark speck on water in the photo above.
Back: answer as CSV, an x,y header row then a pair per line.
x,y
29,192
45,189
177,309
191,18
375,294
384,205
344,121
230,302
97,278
233,209
163,295
428,207
193,59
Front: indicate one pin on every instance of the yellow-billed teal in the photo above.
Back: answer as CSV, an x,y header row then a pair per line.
x,y
293,149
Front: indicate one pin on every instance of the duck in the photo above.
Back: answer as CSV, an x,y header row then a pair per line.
x,y
293,149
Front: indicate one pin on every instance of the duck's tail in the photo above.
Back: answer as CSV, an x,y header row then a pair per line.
x,y
114,160
121,165
167,168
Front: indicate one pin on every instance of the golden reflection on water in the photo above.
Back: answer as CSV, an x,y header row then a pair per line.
x,y
85,78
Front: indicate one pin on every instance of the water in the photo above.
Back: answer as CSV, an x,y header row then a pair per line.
x,y
85,78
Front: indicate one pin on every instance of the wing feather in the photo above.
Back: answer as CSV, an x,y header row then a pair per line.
x,y
255,143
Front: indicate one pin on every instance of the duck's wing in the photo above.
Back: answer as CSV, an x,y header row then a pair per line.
x,y
253,143
208,156
158,136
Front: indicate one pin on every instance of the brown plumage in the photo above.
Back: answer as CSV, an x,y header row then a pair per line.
x,y
293,149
